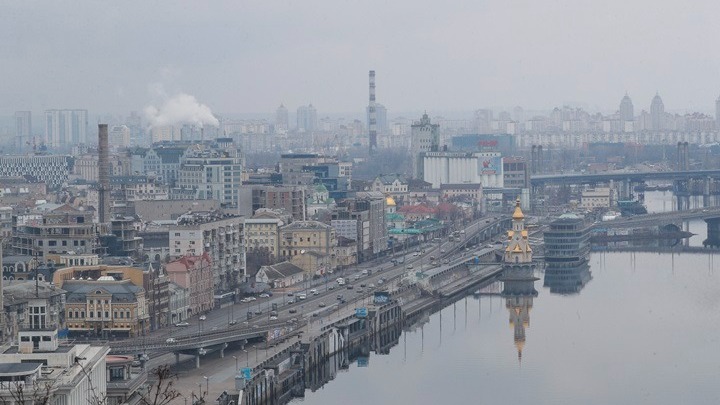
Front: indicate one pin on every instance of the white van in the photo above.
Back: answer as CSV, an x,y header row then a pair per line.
x,y
301,296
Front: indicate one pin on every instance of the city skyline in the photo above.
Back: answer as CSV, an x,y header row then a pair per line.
x,y
463,74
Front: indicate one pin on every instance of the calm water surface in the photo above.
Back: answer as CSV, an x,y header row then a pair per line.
x,y
643,330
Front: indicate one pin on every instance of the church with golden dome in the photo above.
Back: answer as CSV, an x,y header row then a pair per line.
x,y
518,278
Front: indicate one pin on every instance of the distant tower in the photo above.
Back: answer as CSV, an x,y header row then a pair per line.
x,y
424,137
518,278
626,109
23,129
103,175
281,119
657,113
717,113
372,124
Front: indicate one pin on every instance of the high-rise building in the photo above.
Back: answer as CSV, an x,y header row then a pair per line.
x,y
306,118
119,136
717,113
381,118
23,129
66,127
424,137
281,119
626,109
213,174
657,113
483,121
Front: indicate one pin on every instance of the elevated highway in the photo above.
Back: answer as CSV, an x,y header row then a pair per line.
x,y
634,177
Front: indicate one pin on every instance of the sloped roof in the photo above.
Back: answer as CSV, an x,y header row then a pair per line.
x,y
280,270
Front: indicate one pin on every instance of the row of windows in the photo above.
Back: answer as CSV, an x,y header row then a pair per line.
x,y
81,314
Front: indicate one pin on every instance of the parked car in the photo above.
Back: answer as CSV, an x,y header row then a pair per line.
x,y
314,292
170,341
293,311
264,295
203,317
321,305
180,324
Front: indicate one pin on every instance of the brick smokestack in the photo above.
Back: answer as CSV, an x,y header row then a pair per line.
x,y
103,174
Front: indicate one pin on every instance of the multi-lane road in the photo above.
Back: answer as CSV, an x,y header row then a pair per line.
x,y
326,297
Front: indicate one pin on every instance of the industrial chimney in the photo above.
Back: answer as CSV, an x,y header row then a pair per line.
x,y
103,175
372,124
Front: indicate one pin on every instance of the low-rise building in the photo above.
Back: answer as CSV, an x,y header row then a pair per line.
x,y
178,303
124,382
54,228
194,273
304,236
599,197
106,307
280,275
61,374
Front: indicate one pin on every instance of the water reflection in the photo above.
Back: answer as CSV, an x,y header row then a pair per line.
x,y
567,279
519,291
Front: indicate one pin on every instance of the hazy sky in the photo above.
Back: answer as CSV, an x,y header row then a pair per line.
x,y
249,56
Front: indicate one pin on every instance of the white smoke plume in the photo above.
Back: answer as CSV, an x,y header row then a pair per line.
x,y
181,109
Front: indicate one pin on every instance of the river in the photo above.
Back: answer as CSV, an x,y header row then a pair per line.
x,y
642,330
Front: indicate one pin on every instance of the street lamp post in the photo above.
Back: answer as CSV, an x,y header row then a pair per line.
x,y
207,385
236,364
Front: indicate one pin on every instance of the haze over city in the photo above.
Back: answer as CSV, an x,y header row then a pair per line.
x,y
248,57
345,202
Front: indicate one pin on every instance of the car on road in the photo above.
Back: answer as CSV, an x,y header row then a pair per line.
x,y
442,250
409,266
245,300
362,285
258,312
314,292
233,322
372,285
291,302
301,296
290,294
364,272
203,317
359,291
264,295
331,287
349,287
381,281
321,305
293,311
357,277
181,324
170,341
273,318
252,298
339,297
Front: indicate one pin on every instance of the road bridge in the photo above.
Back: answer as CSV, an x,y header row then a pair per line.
x,y
634,177
659,219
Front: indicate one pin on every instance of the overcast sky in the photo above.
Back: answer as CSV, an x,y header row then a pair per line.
x,y
249,56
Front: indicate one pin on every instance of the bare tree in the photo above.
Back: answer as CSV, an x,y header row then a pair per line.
x,y
163,390
39,393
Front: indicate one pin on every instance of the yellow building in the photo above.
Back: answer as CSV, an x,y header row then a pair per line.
x,y
105,308
304,236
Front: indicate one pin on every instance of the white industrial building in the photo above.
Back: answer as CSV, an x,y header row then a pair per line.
x,y
484,168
